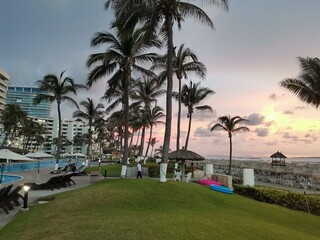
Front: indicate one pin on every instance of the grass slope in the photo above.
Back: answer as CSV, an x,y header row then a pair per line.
x,y
146,209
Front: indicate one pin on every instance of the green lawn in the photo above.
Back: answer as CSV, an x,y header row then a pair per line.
x,y
146,209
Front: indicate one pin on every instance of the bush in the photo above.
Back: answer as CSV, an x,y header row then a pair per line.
x,y
292,200
153,169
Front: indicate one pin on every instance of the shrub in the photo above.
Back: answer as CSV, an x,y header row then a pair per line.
x,y
153,169
288,199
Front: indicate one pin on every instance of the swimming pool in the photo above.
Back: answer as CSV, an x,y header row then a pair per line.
x,y
10,178
49,163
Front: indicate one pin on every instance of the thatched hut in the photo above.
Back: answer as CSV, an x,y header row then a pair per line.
x,y
278,159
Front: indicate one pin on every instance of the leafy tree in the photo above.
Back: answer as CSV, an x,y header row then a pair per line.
x,y
90,112
12,116
307,85
191,96
229,124
162,14
153,116
57,88
124,53
185,62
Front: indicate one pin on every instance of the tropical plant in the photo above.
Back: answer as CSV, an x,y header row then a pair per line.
x,y
191,96
153,116
229,124
153,142
185,62
307,85
90,113
57,88
12,116
119,60
162,14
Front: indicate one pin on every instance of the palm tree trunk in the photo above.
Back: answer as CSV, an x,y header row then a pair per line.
x,y
167,133
131,139
179,114
230,159
138,137
150,136
126,125
89,140
142,141
189,129
59,137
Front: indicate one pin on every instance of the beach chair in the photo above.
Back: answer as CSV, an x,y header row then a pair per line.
x,y
81,171
52,183
177,176
4,204
14,195
188,177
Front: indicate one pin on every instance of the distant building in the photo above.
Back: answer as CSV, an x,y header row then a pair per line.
x,y
4,79
23,96
70,128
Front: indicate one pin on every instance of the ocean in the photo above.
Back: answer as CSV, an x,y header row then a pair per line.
x,y
258,159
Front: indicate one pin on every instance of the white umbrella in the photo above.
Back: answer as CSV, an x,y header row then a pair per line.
x,y
72,155
39,155
9,155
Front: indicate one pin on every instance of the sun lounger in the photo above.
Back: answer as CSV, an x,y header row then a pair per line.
x,y
52,183
14,195
81,171
3,201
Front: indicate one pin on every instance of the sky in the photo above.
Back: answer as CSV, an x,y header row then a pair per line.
x,y
253,47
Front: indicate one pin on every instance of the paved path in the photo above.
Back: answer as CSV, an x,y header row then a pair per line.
x,y
32,177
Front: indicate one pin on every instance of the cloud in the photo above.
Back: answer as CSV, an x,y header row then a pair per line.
x,y
272,143
276,97
288,112
300,108
255,119
204,115
203,132
289,136
262,132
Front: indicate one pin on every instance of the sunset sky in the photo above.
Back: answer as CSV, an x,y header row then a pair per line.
x,y
253,47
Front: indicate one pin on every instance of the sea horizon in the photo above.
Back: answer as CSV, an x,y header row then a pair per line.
x,y
246,158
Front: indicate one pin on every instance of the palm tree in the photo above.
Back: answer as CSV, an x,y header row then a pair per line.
x,y
307,85
191,96
152,117
122,56
228,124
153,143
185,62
162,14
91,112
53,88
12,116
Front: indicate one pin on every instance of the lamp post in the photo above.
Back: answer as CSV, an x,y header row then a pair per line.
x,y
25,198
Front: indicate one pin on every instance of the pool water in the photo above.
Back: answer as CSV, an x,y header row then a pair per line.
x,y
21,167
10,178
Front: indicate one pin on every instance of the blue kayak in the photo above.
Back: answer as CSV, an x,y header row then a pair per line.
x,y
221,189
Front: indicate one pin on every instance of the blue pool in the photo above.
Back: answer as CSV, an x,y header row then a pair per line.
x,y
21,167
10,178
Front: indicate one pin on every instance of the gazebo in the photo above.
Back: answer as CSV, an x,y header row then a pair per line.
x,y
183,155
278,159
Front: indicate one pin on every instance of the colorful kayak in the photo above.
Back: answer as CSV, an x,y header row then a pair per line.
x,y
221,189
208,182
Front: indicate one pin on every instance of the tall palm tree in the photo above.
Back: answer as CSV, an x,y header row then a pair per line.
x,y
229,124
12,117
162,14
185,62
57,88
91,112
191,96
120,59
153,116
307,85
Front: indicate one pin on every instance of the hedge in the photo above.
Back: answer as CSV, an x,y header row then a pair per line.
x,y
288,199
